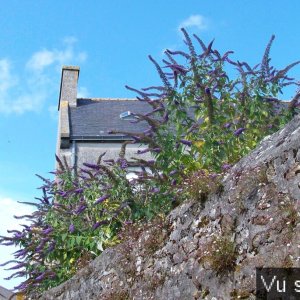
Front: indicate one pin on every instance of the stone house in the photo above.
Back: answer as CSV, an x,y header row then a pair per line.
x,y
84,124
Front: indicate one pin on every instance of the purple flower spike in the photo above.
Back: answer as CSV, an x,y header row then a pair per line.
x,y
155,190
7,244
96,225
101,199
48,230
156,150
71,228
227,125
186,142
91,166
79,190
143,151
40,277
207,91
239,131
173,172
18,266
122,163
80,209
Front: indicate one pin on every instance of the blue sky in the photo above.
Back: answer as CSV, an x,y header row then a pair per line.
x,y
110,41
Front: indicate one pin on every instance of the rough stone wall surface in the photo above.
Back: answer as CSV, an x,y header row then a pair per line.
x,y
190,255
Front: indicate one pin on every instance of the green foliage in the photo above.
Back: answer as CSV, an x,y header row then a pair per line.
x,y
78,217
206,120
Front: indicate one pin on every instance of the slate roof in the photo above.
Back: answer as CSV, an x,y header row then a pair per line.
x,y
92,119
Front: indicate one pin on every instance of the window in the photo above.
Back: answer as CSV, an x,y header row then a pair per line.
x,y
128,115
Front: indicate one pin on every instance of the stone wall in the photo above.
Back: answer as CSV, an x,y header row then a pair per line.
x,y
209,250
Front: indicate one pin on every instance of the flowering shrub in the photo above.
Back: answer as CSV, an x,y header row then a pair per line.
x,y
201,123
201,118
77,217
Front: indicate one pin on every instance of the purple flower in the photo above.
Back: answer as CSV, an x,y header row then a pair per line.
x,y
80,209
136,138
18,235
91,166
151,162
40,246
40,277
9,262
20,253
239,131
51,247
207,91
227,125
143,151
123,163
71,228
101,199
186,142
156,150
173,172
155,190
48,230
7,243
63,194
213,175
226,167
18,266
78,191
97,224
177,68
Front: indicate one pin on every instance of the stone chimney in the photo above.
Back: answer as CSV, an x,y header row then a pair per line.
x,y
68,86
67,98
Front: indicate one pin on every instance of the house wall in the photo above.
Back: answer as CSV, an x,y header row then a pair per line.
x,y
89,152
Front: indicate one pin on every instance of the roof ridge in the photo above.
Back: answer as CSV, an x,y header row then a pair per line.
x,y
109,99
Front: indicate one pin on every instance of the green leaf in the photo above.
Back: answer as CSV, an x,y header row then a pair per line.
x,y
64,236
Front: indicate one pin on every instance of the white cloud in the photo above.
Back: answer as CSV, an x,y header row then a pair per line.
x,y
197,21
8,207
7,81
28,88
44,58
41,59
